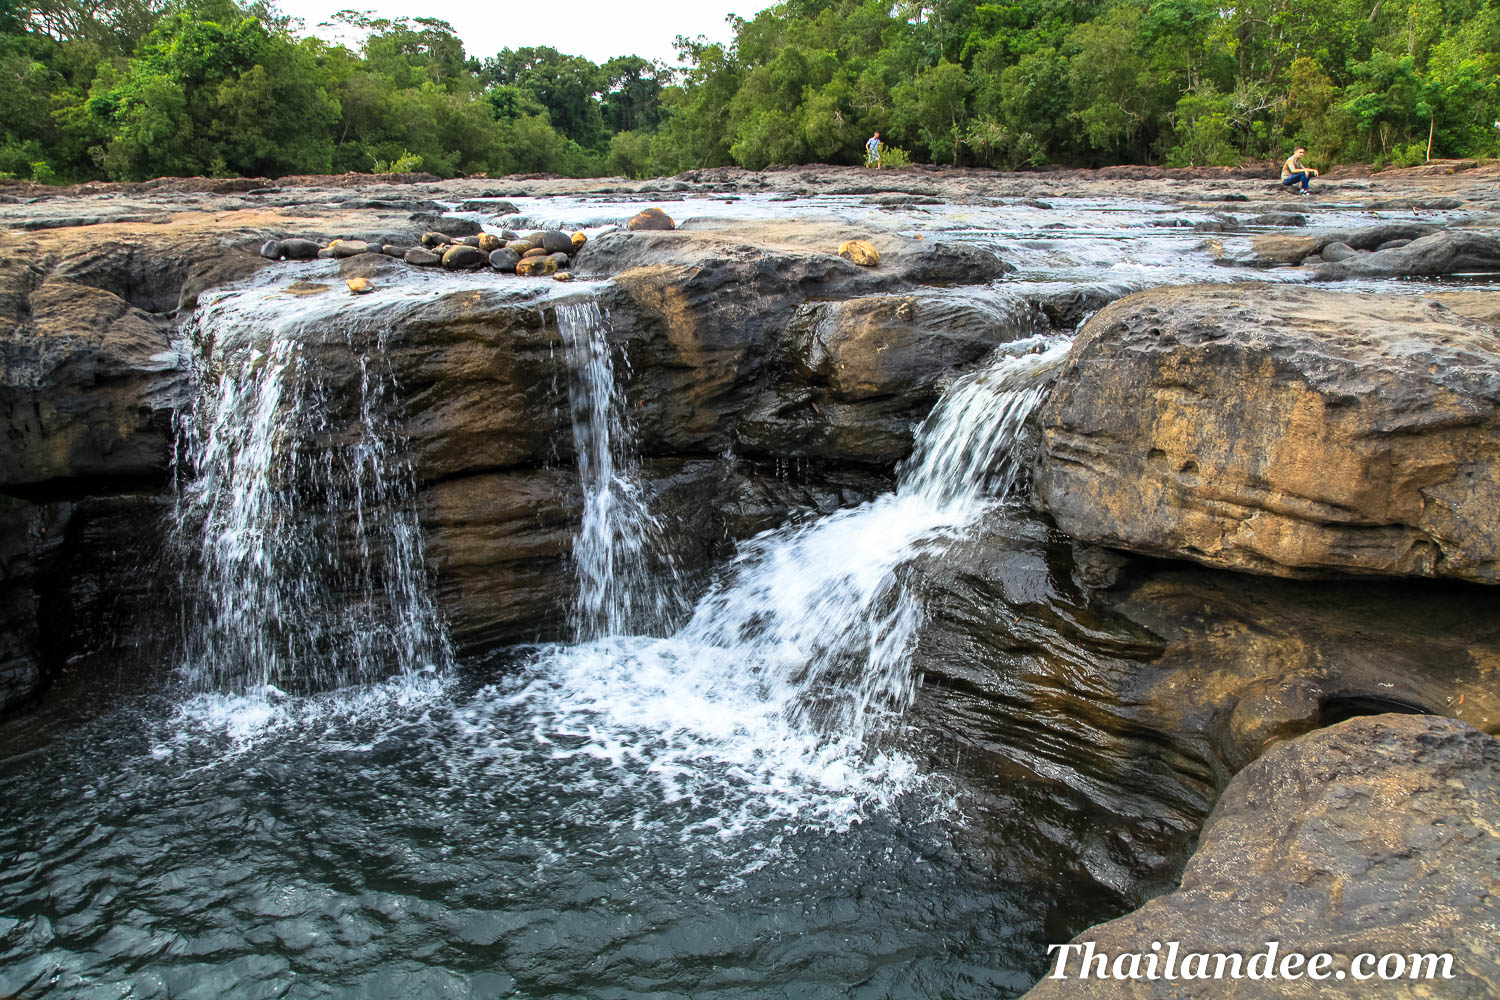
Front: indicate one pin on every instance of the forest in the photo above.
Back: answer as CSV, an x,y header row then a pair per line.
x,y
145,88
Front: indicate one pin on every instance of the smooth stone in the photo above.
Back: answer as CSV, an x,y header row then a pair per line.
x,y
462,255
432,239
563,276
360,286
521,246
504,260
560,258
536,266
349,248
391,250
299,249
556,241
489,242
534,252
422,258
650,219
862,252
579,239
1335,252
271,249
325,254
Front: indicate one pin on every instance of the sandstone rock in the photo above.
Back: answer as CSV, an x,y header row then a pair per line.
x,y
434,240
1448,252
862,252
1280,430
555,241
1375,836
534,252
360,286
1335,252
350,248
489,242
560,259
391,250
563,276
461,256
299,249
650,218
422,258
578,240
532,267
521,247
504,260
507,236
271,249
469,241
1274,249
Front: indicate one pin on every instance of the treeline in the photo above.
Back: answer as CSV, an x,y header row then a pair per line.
x,y
145,88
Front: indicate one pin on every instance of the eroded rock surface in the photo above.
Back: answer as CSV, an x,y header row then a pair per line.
x,y
1375,836
1281,430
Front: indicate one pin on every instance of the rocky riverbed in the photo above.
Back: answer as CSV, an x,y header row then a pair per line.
x,y
1263,488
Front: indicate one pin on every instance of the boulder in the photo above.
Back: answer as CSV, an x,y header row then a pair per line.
x,y
1281,430
650,218
489,242
504,260
560,259
1447,252
422,257
360,286
555,241
461,256
521,247
432,240
578,240
1376,836
1335,252
1273,249
862,252
351,248
563,276
446,224
533,267
299,249
391,250
271,249
534,252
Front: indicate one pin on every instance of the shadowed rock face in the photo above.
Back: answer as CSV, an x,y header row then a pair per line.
x,y
1375,836
1284,431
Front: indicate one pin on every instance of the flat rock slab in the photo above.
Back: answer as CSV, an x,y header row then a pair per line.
x,y
1282,430
1380,835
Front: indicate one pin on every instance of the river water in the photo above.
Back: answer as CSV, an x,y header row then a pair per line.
x,y
706,793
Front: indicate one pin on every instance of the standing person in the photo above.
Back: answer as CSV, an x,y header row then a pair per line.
x,y
1294,171
872,151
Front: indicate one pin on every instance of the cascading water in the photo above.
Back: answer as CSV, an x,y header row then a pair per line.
x,y
626,581
788,665
294,515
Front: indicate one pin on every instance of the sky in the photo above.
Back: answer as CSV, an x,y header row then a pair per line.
x,y
596,29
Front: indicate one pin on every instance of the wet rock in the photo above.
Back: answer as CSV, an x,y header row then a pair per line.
x,y
350,248
391,250
533,267
1351,837
422,257
506,236
271,249
1392,245
560,259
461,256
504,260
299,249
521,247
470,241
1273,249
861,252
650,218
1334,252
489,243
563,276
555,241
495,206
1289,220
578,240
432,240
534,252
1280,430
360,286
325,254
446,225
1447,252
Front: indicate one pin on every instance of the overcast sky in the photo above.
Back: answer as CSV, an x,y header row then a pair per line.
x,y
597,29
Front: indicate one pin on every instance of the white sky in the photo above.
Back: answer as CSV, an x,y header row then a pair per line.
x,y
597,29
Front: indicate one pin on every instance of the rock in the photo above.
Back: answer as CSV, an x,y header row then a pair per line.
x,y
1289,220
271,249
563,276
422,258
521,247
434,240
469,241
446,225
489,242
555,241
391,250
506,236
360,286
325,254
494,206
1447,252
1392,245
462,255
578,240
299,249
650,218
350,248
561,259
1280,430
862,252
536,266
1343,841
1334,252
1274,249
504,260
1310,261
534,252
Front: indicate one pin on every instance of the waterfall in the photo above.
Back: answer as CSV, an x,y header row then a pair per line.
x,y
295,517
796,657
626,579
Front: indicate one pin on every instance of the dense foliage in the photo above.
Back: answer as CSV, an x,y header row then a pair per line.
x,y
141,88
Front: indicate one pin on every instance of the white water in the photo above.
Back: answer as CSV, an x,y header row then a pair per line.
x,y
794,665
302,554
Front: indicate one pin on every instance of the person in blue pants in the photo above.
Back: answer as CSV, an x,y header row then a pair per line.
x,y
1294,171
872,151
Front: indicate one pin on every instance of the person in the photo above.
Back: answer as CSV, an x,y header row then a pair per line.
x,y
872,151
1294,171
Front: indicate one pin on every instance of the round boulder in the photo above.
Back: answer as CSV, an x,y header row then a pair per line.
x,y
560,258
521,246
1336,252
534,252
579,239
349,248
431,239
360,286
563,276
489,242
462,255
422,257
556,241
299,249
651,218
504,260
862,252
536,267
271,249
